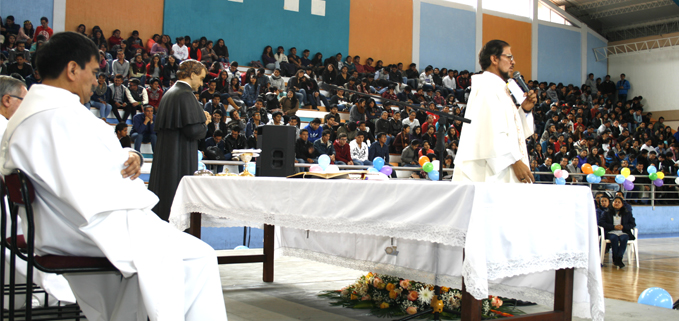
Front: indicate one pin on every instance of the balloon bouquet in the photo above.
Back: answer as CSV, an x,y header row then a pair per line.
x,y
379,167
429,167
560,174
594,173
324,166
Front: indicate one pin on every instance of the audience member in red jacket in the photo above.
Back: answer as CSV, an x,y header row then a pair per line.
x,y
155,93
342,151
43,29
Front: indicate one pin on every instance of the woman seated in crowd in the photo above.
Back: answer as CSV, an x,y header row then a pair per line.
x,y
154,69
618,223
169,70
27,31
268,60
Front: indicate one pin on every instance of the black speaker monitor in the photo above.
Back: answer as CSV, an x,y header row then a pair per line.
x,y
278,151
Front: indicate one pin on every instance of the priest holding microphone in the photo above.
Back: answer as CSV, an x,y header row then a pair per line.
x,y
493,147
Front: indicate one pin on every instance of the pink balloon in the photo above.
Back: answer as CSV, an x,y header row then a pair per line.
x,y
316,169
558,173
564,174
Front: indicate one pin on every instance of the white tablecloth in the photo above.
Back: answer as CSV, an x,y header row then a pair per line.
x,y
514,235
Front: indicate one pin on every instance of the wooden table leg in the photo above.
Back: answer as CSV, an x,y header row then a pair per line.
x,y
194,228
269,231
471,307
563,292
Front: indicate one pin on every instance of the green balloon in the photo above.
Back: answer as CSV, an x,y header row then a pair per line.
x,y
600,171
428,167
653,176
555,167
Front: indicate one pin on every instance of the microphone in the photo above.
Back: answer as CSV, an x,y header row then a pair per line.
x,y
520,82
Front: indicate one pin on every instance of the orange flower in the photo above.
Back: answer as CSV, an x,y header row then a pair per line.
x,y
377,282
391,287
353,297
412,295
411,310
384,305
369,274
444,289
393,295
405,284
366,298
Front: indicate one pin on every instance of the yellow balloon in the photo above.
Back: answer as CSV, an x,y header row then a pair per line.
x,y
661,175
625,172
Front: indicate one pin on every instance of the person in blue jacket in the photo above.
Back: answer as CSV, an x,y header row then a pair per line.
x,y
623,87
315,130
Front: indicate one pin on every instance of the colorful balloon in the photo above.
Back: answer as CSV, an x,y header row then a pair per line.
x,y
423,159
625,171
437,164
324,161
631,178
591,178
378,162
316,169
656,297
332,169
628,185
676,181
433,175
428,167
598,180
652,169
386,170
600,171
373,170
619,179
661,175
558,173
555,167
658,182
564,174
587,168
594,168
560,181
653,176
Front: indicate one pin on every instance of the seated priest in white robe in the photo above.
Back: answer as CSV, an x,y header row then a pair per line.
x,y
89,202
12,91
492,147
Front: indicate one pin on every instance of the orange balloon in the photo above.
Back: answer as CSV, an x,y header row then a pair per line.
x,y
587,168
423,160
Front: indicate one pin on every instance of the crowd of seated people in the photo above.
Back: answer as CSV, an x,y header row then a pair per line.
x,y
594,123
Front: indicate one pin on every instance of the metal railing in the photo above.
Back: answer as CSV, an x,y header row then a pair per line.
x,y
668,194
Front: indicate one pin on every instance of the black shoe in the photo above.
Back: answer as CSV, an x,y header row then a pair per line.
x,y
616,262
620,263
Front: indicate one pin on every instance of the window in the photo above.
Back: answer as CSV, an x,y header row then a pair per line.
x,y
521,8
545,13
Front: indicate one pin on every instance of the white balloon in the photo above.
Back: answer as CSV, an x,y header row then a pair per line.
x,y
332,169
564,174
631,178
676,180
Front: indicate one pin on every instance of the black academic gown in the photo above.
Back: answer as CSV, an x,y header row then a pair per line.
x,y
180,123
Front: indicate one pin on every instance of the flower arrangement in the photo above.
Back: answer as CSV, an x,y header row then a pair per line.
x,y
389,296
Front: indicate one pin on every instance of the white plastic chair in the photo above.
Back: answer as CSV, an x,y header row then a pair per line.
x,y
632,246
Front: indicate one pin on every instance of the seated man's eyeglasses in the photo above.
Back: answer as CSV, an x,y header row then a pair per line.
x,y
17,97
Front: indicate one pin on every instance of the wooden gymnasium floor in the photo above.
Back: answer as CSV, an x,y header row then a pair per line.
x,y
658,267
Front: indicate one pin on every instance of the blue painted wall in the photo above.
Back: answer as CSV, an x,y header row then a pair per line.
x,y
31,10
559,55
447,37
228,238
250,26
599,69
662,220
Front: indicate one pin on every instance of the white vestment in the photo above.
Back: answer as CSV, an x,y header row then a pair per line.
x,y
496,137
84,207
55,285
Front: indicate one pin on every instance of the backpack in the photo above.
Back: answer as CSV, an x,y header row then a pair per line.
x,y
214,153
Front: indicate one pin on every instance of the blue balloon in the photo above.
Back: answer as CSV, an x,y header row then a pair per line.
x,y
241,247
598,180
656,297
620,179
594,167
201,166
560,181
433,175
591,178
378,162
324,161
373,170
651,169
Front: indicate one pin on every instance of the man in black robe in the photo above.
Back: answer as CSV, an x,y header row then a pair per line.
x,y
180,123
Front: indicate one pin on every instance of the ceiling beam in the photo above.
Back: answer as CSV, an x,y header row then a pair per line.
x,y
598,4
631,8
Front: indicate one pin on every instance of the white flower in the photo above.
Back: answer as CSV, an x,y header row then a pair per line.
x,y
425,295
